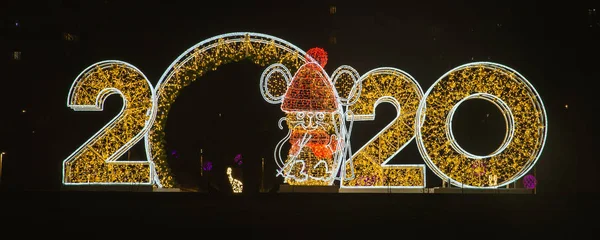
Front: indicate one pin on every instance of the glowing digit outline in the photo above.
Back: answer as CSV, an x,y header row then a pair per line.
x,y
506,113
99,106
510,125
371,117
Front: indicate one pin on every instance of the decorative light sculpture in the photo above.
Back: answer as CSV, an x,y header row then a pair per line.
x,y
315,120
207,166
529,181
313,103
370,163
238,159
523,112
319,55
175,154
236,185
95,162
196,61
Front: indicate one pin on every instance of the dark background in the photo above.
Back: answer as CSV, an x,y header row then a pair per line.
x,y
554,46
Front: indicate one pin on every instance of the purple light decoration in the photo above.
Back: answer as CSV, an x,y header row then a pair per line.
x,y
207,166
175,154
238,159
529,181
368,181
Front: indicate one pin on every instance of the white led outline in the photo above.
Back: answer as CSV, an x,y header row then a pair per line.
x,y
506,113
345,69
346,160
266,75
277,153
371,117
99,106
234,37
421,116
301,143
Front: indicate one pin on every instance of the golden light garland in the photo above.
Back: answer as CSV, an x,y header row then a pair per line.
x,y
370,161
95,161
345,82
522,109
204,57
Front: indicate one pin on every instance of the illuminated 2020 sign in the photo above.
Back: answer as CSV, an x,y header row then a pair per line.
x,y
319,113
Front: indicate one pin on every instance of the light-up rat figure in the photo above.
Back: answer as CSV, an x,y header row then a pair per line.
x,y
318,138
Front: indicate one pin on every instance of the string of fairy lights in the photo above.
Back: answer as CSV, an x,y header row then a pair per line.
x,y
319,113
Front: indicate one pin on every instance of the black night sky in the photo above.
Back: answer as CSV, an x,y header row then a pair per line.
x,y
223,113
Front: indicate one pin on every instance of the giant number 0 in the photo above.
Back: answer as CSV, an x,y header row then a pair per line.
x,y
425,117
523,112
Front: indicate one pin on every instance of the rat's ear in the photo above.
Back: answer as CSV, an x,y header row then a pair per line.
x,y
347,84
274,83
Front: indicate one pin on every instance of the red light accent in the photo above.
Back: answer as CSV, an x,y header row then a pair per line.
x,y
318,54
318,143
310,91
317,137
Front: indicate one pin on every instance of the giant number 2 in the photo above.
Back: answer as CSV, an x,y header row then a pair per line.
x,y
368,167
95,162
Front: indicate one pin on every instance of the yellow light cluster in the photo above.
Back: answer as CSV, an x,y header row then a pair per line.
x,y
527,112
346,88
88,164
277,85
204,58
236,185
392,86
